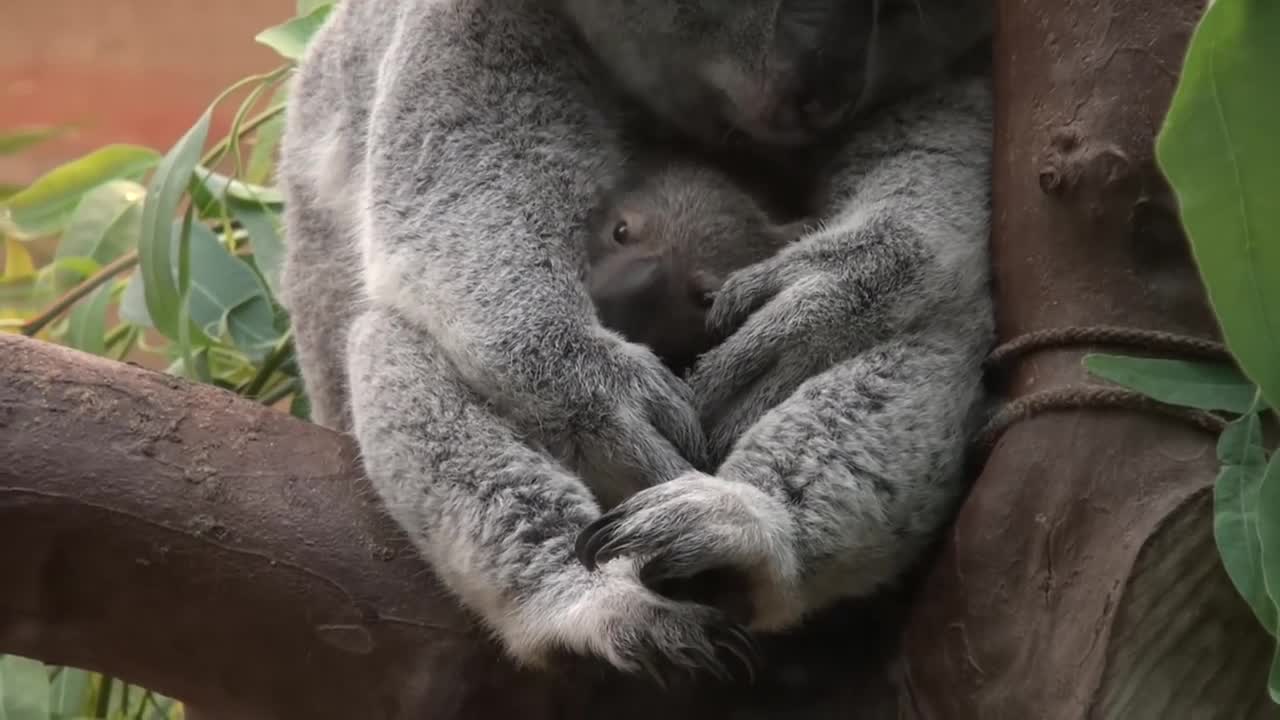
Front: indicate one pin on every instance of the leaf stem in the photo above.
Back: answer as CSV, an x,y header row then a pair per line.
x,y
285,390
33,326
272,363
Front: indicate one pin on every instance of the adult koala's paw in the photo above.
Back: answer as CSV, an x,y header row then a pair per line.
x,y
785,320
706,541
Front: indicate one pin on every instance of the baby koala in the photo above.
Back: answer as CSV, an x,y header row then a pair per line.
x,y
662,244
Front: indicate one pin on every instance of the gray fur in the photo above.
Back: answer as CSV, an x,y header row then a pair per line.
x,y
847,395
450,151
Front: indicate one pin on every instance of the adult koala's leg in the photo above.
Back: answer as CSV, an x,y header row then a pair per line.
x,y
319,288
497,519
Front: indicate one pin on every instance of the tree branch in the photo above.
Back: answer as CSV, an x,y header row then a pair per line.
x,y
1081,578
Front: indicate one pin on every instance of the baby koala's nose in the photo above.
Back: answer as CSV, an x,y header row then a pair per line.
x,y
624,289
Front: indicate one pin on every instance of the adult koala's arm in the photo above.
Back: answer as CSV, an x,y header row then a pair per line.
x,y
847,394
459,147
454,149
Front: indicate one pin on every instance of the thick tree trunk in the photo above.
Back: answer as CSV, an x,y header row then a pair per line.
x,y
1081,578
235,558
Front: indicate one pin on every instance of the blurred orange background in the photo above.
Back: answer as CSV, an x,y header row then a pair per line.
x,y
134,71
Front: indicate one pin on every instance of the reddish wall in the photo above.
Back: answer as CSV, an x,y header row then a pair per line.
x,y
138,71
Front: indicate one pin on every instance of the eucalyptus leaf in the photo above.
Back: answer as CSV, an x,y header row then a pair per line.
x,y
18,265
1235,514
87,323
265,239
221,188
71,270
290,38
300,405
106,223
306,6
24,688
69,692
155,250
133,303
1268,518
227,298
1207,386
266,140
44,206
1221,152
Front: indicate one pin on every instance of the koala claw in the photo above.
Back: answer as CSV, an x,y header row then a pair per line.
x,y
697,539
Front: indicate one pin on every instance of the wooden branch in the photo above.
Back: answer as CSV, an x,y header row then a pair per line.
x,y
215,550
1081,578
231,556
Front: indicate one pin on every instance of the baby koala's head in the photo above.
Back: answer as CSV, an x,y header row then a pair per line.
x,y
661,246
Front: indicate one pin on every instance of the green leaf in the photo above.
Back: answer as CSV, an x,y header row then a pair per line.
x,y
24,689
106,223
1235,514
300,405
1273,679
266,140
18,264
227,299
306,6
221,186
1268,517
264,237
1206,386
133,302
68,692
290,38
155,248
71,270
44,206
87,323
15,141
1221,153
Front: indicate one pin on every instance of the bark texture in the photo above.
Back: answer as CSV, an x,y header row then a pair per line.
x,y
1081,579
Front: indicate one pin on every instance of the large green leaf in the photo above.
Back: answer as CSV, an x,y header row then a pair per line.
x,y
87,323
155,250
1235,514
69,693
227,299
133,302
1268,515
44,206
24,689
266,140
1177,382
264,236
290,38
106,223
1221,152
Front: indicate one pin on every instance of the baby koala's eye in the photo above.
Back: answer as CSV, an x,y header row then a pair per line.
x,y
621,233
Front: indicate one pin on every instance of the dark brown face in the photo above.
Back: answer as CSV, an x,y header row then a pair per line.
x,y
662,248
646,289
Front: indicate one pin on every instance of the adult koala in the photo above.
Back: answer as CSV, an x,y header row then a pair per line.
x,y
451,150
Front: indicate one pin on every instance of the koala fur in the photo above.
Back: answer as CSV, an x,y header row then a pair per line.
x,y
440,162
